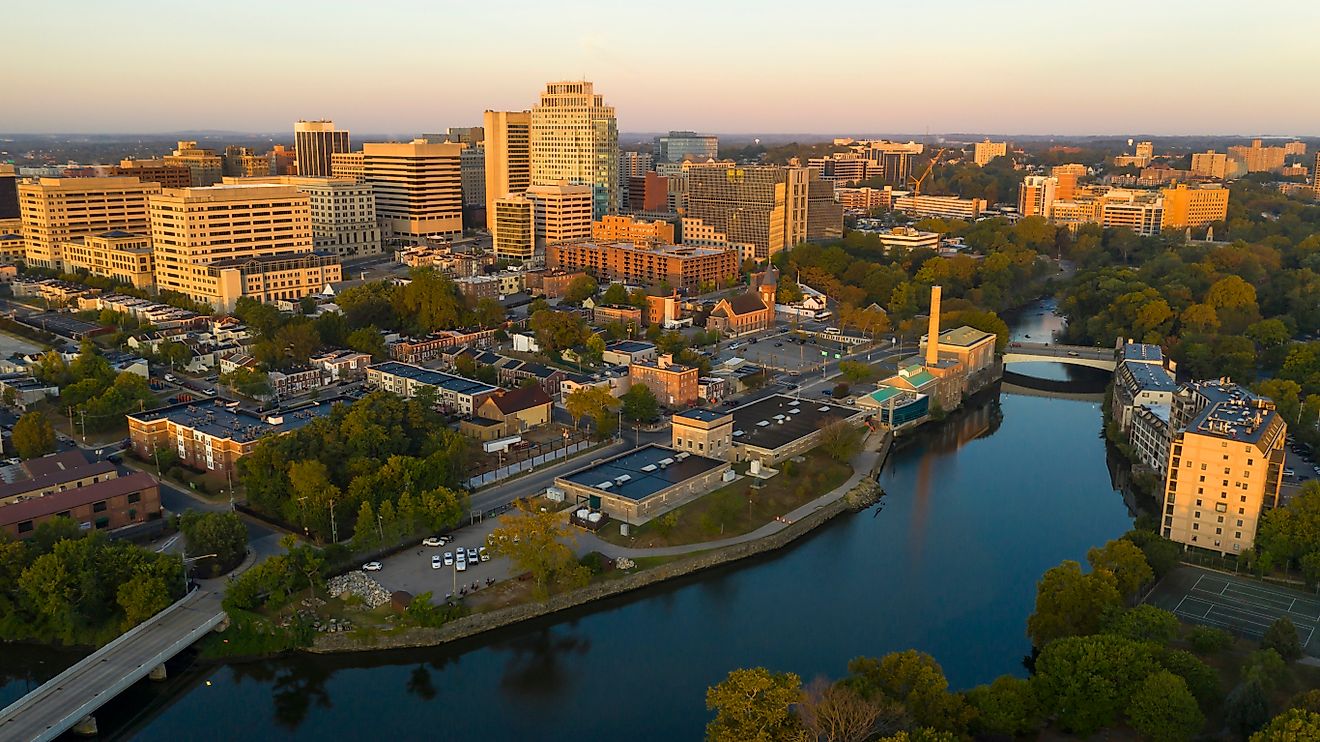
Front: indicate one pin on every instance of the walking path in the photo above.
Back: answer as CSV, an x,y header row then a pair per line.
x,y
862,463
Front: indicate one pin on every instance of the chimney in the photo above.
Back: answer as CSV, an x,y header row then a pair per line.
x,y
933,332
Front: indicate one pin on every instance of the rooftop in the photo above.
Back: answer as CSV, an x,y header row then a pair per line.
x,y
438,379
1143,352
964,336
69,499
1150,377
523,398
629,346
642,472
702,414
1240,420
216,419
776,421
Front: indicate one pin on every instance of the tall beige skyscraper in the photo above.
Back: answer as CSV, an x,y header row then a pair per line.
x,y
575,139
57,210
761,205
514,233
315,142
508,163
986,151
563,212
418,185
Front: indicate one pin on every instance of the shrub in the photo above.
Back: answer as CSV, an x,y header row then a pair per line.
x,y
1209,640
1282,638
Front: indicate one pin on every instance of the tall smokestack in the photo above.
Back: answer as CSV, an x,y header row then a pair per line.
x,y
933,332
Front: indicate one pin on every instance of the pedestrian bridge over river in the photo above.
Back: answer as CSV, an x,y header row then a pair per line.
x,y
1076,355
70,698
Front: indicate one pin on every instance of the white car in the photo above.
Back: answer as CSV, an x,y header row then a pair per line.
x,y
449,558
435,561
485,555
1289,473
472,555
372,567
433,541
461,566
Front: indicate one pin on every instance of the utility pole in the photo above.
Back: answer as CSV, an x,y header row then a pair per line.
x,y
334,527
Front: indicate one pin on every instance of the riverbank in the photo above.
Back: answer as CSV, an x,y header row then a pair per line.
x,y
857,493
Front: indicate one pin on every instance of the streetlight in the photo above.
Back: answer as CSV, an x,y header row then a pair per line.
x,y
184,561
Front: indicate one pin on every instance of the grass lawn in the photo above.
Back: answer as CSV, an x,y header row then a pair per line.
x,y
737,508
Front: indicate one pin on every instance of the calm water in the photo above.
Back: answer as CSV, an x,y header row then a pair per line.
x,y
975,512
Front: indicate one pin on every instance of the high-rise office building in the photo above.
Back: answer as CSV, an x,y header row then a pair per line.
x,y
1210,164
1194,207
473,162
632,165
563,212
1146,151
8,192
347,165
1315,176
1036,194
824,212
1258,158
508,157
987,150
677,146
574,138
889,161
419,187
315,142
1225,464
514,232
221,243
283,161
204,165
155,171
57,210
761,205
343,212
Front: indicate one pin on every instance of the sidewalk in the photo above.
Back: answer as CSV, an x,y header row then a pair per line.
x,y
862,464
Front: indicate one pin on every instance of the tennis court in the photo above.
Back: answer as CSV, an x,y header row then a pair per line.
x,y
1242,606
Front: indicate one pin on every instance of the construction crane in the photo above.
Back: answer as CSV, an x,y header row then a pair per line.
x,y
916,182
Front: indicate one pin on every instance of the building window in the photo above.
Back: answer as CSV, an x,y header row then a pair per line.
x,y
134,497
25,526
102,523
99,507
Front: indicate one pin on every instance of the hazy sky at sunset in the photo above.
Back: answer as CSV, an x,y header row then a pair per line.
x,y
393,66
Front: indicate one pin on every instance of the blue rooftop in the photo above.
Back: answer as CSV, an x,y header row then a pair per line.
x,y
438,379
642,472
1143,352
1149,377
216,419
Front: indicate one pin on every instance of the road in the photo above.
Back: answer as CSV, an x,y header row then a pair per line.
x,y
57,705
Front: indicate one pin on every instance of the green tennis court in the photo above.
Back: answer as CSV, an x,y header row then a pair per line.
x,y
1242,606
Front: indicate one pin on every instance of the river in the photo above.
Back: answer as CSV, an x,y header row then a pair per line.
x,y
976,510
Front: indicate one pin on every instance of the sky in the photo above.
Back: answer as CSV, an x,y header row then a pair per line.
x,y
725,66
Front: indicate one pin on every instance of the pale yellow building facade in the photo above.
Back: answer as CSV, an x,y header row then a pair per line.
x,y
1194,207
418,186
513,231
562,212
574,138
508,156
987,151
122,256
57,210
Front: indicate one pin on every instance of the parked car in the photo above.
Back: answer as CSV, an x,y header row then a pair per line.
x,y
372,567
461,566
485,555
779,345
1289,473
433,541
435,561
449,558
472,555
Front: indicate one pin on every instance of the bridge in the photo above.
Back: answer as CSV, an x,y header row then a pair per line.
x,y
1077,355
69,699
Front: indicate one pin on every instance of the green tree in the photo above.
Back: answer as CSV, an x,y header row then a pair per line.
x,y
1201,679
914,680
639,403
536,543
1145,623
1162,708
580,289
1265,666
840,440
366,535
855,372
141,598
615,295
368,340
1089,680
488,312
753,705
1208,639
1071,603
1293,725
1281,636
1126,562
33,435
1007,707
247,381
1247,708
222,534
555,330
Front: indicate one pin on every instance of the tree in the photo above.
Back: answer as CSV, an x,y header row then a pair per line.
x,y
366,535
1281,636
855,371
1145,623
595,348
580,288
33,435
310,481
222,534
1163,708
1264,666
914,680
535,542
555,330
1071,603
368,340
1089,680
1162,555
1201,679
1293,725
753,705
141,598
1208,639
488,312
248,381
1007,707
1247,708
833,712
639,403
840,440
615,295
592,401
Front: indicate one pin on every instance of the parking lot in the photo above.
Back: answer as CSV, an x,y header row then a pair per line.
x,y
1240,605
410,570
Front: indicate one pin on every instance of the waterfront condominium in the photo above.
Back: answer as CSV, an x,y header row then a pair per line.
x,y
220,243
574,138
1226,461
315,142
508,163
57,210
418,186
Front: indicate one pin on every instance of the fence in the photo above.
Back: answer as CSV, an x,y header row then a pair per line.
x,y
537,456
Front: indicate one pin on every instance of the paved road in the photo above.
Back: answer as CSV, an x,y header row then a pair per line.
x,y
64,700
1061,351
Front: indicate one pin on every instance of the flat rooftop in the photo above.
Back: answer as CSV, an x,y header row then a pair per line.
x,y
1143,352
776,421
438,379
704,415
964,336
642,472
216,419
629,346
1150,377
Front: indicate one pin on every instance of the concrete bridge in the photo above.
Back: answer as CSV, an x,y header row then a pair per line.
x,y
68,700
1077,355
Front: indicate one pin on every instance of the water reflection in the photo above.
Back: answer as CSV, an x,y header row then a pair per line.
x,y
538,667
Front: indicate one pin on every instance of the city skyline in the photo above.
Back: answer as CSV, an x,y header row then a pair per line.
x,y
406,67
